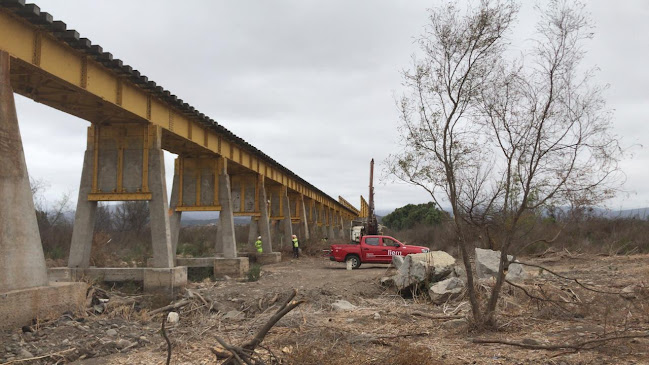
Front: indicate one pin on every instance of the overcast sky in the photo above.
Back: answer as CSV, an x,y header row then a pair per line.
x,y
310,83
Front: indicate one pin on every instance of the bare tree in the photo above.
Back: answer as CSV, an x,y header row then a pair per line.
x,y
103,218
131,216
500,138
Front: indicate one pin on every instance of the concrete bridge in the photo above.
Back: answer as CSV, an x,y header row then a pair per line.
x,y
132,120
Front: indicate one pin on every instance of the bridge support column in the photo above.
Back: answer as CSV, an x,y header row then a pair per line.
x,y
226,217
22,263
84,217
264,220
286,221
341,226
347,226
303,221
163,255
125,162
175,216
253,233
330,225
25,292
275,233
229,264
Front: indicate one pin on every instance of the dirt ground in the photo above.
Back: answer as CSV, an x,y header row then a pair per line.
x,y
381,328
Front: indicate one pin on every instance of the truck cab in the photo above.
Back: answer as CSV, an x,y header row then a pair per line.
x,y
372,249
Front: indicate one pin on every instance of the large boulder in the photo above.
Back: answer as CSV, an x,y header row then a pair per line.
x,y
397,261
487,263
423,268
446,289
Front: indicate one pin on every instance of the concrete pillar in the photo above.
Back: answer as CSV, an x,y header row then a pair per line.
x,y
303,222
341,227
264,223
84,217
226,218
275,234
163,255
330,228
22,263
286,222
174,216
347,225
253,233
218,247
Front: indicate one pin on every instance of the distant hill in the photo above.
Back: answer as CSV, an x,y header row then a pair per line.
x,y
206,218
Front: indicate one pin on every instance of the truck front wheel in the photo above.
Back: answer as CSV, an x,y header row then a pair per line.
x,y
355,261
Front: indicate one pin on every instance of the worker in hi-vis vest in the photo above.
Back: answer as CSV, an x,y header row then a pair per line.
x,y
258,245
296,245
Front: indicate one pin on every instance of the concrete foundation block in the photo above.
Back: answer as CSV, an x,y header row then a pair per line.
x,y
196,261
236,267
117,274
269,258
19,307
61,274
262,259
166,280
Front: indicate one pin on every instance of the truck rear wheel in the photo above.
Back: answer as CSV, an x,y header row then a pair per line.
x,y
355,261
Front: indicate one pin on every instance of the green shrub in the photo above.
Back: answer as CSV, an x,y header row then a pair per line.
x,y
254,272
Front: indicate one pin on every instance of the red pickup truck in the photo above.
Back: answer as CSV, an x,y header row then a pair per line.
x,y
372,249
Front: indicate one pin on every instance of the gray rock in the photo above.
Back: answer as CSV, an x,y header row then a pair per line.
x,y
459,272
447,289
111,332
423,267
343,305
233,314
397,261
122,344
487,263
628,292
25,354
387,281
455,323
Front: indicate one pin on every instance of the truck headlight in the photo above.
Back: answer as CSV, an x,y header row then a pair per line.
x,y
425,250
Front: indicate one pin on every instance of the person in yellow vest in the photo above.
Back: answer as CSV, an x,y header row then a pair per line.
x,y
296,247
258,245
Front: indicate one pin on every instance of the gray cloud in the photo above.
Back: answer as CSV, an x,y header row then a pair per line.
x,y
311,83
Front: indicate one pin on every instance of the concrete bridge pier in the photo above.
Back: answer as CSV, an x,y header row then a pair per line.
x,y
330,225
253,233
175,216
229,264
263,224
25,291
130,166
341,226
286,220
304,225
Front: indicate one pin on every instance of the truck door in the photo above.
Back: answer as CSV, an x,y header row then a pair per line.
x,y
371,249
391,248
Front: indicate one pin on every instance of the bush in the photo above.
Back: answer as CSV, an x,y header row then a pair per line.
x,y
254,272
